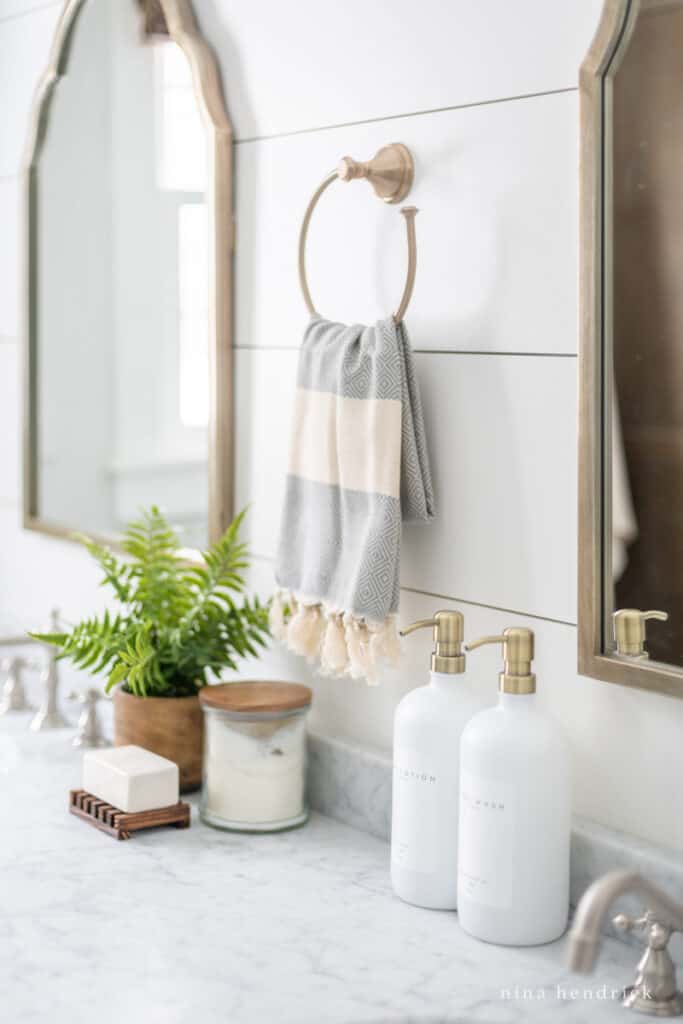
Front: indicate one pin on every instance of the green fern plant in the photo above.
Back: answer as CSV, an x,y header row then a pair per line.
x,y
176,621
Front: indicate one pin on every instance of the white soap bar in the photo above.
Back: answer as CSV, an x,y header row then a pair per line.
x,y
131,778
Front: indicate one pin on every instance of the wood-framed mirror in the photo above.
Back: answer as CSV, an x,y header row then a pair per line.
x,y
631,356
128,270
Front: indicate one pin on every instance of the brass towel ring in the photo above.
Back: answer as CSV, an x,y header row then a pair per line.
x,y
391,173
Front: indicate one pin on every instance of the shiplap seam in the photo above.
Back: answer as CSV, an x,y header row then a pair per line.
x,y
410,113
427,351
456,600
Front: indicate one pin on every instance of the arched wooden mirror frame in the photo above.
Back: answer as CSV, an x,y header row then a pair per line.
x,y
175,20
596,657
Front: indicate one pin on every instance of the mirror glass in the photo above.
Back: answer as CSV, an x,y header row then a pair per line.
x,y
120,293
644,317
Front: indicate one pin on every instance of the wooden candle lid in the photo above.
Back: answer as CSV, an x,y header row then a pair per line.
x,y
256,697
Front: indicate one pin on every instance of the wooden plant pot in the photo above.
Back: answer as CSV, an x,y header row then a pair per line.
x,y
170,726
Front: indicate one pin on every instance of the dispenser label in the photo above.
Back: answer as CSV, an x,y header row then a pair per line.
x,y
487,815
422,796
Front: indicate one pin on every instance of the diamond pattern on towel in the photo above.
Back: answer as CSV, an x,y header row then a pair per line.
x,y
339,548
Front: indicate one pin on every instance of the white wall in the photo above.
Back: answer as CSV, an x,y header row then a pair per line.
x,y
485,96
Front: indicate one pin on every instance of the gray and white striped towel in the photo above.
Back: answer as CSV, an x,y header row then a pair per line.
x,y
358,467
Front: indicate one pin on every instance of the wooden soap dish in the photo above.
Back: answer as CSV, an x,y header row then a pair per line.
x,y
121,824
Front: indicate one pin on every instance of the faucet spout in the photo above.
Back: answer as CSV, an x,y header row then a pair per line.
x,y
584,937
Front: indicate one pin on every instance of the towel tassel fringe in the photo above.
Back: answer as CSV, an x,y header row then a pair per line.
x,y
342,643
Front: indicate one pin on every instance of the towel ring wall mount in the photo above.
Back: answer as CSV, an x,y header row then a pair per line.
x,y
391,173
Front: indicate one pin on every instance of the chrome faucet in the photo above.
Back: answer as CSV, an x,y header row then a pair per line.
x,y
49,715
655,991
14,698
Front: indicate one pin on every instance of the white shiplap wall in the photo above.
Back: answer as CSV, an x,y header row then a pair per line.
x,y
485,96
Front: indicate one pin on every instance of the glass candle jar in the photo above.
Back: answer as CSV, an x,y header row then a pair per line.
x,y
254,755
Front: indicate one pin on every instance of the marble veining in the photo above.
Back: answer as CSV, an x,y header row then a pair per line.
x,y
206,926
350,784
354,786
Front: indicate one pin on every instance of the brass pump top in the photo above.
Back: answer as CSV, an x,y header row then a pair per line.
x,y
518,653
449,628
630,631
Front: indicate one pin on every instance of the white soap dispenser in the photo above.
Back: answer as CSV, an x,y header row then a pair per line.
x,y
515,806
427,728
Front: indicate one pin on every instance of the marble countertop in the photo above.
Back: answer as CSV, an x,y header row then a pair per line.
x,y
206,926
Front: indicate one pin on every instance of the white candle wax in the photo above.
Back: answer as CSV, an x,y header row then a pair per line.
x,y
255,770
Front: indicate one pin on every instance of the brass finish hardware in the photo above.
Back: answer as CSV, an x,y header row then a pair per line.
x,y
518,653
630,631
391,173
449,628
410,213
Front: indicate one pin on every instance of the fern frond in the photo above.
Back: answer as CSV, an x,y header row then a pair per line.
x,y
140,658
91,645
179,624
158,589
116,572
220,574
53,639
220,638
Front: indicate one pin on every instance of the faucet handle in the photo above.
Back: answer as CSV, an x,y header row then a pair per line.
x,y
659,932
89,728
654,991
625,923
13,693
